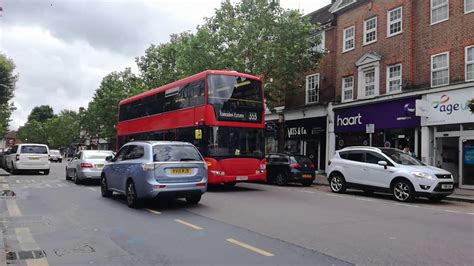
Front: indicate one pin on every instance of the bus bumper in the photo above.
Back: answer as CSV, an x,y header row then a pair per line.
x,y
218,179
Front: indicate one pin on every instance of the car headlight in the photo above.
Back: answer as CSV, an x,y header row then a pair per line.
x,y
422,175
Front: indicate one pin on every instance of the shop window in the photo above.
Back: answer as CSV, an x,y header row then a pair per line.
x,y
469,126
370,30
394,21
312,88
394,78
440,69
468,6
439,11
469,63
447,128
347,89
349,42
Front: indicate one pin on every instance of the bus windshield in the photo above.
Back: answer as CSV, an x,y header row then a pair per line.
x,y
235,98
235,142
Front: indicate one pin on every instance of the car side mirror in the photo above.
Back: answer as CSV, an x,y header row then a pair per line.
x,y
109,158
383,163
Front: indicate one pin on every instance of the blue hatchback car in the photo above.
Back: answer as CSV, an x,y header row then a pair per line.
x,y
152,169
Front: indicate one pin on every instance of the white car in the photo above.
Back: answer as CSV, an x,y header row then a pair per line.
x,y
28,156
387,170
87,164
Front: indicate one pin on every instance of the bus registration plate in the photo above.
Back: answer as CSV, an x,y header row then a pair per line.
x,y
181,171
241,178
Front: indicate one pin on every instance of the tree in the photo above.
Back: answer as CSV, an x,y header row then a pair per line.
x,y
7,86
253,36
63,129
33,131
41,113
101,115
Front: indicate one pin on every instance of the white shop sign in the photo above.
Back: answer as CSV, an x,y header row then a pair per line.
x,y
447,107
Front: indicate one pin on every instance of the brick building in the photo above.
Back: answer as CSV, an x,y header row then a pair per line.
x,y
402,68
405,68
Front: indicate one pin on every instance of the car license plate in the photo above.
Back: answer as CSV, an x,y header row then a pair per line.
x,y
307,176
33,158
241,178
99,166
181,171
447,186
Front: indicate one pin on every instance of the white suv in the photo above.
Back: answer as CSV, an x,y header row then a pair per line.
x,y
28,156
387,170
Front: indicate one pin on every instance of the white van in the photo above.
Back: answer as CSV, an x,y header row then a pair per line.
x,y
28,156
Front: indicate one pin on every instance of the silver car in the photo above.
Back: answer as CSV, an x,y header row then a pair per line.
x,y
86,164
151,169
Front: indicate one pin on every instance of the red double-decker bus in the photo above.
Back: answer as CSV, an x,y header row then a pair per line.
x,y
220,112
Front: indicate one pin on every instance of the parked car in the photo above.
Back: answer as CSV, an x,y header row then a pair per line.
x,y
284,168
387,170
55,156
87,164
151,169
28,156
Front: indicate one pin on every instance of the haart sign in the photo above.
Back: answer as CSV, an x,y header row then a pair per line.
x,y
384,115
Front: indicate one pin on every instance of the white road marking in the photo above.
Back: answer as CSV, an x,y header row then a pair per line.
x,y
91,188
13,209
27,242
17,181
249,247
188,224
153,211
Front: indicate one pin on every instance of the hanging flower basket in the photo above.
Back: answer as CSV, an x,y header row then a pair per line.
x,y
470,103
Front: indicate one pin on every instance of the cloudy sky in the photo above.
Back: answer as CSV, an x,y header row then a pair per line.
x,y
63,48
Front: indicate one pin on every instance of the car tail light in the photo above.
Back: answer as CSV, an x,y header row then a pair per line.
x,y
86,165
201,184
295,165
17,158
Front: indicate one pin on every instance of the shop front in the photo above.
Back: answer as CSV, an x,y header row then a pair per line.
x,y
448,133
307,137
383,124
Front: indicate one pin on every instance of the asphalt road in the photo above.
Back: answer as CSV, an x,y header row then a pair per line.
x,y
251,224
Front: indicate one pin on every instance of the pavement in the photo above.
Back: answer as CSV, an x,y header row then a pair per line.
x,y
465,195
3,172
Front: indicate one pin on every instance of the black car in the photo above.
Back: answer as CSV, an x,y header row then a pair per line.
x,y
285,168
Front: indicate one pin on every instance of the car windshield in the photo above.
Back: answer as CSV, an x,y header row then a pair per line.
x,y
175,153
300,159
97,156
53,152
400,157
34,149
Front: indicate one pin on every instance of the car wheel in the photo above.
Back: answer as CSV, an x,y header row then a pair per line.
x,y
106,193
403,191
77,181
337,183
307,183
67,176
193,199
132,198
436,198
280,179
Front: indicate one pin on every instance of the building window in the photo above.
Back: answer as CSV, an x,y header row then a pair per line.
x,y
369,82
349,34
440,69
322,38
312,88
439,11
470,63
347,89
468,6
370,30
394,22
394,78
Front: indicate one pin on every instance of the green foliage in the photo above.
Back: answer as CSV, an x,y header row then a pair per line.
x,y
63,129
101,115
252,36
41,113
34,132
470,103
7,86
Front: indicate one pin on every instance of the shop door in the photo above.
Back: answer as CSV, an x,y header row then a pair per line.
x,y
466,162
312,151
